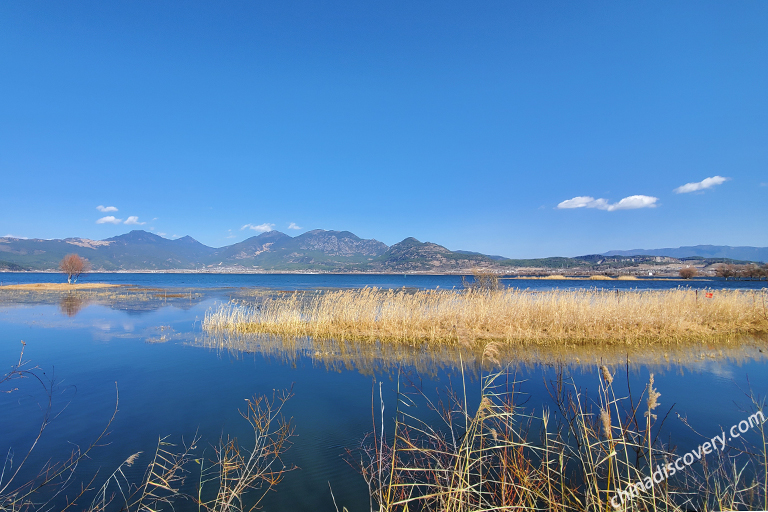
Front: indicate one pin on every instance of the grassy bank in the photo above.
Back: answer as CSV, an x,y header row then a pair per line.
x,y
510,316
58,287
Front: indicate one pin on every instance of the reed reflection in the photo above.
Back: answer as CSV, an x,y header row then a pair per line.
x,y
428,360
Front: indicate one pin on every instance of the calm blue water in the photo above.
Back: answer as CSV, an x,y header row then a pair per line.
x,y
177,387
312,281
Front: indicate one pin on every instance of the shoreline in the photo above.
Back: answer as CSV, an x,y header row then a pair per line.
x,y
467,273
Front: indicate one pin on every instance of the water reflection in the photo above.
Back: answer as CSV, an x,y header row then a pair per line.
x,y
429,360
189,389
132,300
71,304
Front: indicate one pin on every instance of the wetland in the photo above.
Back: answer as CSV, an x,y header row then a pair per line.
x,y
142,349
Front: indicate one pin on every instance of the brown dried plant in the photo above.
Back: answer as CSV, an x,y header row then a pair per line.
x,y
53,478
501,457
509,316
236,479
241,476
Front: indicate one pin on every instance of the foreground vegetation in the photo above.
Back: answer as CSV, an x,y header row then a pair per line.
x,y
599,451
229,476
511,316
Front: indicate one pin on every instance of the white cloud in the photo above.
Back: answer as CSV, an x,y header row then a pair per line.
x,y
109,219
261,228
628,203
293,225
16,237
633,203
701,185
133,220
106,209
581,202
161,234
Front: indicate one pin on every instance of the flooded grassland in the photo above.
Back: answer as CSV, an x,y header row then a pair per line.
x,y
402,399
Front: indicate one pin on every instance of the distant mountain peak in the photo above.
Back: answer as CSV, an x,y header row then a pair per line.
x,y
271,234
338,243
137,235
408,241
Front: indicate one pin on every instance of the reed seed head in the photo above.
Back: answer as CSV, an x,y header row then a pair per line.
x,y
607,377
130,460
491,353
605,419
485,404
653,397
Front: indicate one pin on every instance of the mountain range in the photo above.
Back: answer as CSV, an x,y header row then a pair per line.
x,y
317,250
703,251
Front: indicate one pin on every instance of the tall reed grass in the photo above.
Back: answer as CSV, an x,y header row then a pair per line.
x,y
512,316
586,454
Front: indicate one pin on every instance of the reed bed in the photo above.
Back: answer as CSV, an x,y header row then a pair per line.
x,y
590,452
511,316
561,277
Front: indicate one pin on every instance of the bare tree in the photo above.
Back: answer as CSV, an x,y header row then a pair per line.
x,y
751,271
688,272
73,265
726,271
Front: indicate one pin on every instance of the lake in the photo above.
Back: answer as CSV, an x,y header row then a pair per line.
x,y
174,380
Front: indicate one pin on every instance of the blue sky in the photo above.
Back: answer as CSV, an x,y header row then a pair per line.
x,y
461,123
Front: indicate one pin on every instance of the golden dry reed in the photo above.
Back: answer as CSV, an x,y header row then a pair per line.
x,y
511,315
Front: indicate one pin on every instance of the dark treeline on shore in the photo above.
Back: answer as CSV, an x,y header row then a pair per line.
x,y
749,271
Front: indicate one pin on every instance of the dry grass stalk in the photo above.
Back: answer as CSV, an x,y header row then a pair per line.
x,y
236,479
241,477
511,316
570,460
